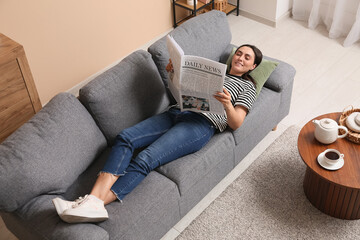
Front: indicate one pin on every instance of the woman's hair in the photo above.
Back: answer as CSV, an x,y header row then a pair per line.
x,y
257,61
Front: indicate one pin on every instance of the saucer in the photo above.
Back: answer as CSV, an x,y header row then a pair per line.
x,y
327,166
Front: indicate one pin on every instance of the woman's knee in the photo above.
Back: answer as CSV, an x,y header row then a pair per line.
x,y
143,163
122,138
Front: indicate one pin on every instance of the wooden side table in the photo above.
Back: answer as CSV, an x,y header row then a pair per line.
x,y
336,193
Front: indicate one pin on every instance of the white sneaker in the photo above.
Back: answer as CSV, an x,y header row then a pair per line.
x,y
91,209
61,205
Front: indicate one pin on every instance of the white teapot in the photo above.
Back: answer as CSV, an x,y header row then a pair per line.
x,y
327,130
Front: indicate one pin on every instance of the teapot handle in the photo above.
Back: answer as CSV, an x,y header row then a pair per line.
x,y
346,132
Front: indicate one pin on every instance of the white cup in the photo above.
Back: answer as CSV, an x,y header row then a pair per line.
x,y
332,156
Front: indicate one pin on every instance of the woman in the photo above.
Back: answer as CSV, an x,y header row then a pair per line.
x,y
166,136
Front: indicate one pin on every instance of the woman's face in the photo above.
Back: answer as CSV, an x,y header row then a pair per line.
x,y
242,61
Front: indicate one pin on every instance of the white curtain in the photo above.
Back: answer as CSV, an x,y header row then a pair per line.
x,y
341,17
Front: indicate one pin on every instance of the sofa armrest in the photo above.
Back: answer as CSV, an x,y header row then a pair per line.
x,y
262,117
38,219
49,152
281,77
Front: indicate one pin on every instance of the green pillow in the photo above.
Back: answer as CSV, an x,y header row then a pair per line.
x,y
260,74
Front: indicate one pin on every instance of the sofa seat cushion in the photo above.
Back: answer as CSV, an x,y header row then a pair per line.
x,y
125,94
207,35
48,153
151,207
192,168
148,212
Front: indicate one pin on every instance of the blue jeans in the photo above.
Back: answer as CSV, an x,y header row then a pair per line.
x,y
166,136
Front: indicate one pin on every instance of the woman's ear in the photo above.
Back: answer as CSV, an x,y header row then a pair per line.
x,y
253,67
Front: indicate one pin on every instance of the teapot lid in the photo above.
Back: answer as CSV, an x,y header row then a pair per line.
x,y
328,123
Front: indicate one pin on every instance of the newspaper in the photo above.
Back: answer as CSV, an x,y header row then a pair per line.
x,y
194,80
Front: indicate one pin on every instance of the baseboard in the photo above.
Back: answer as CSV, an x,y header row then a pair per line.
x,y
257,18
265,21
286,15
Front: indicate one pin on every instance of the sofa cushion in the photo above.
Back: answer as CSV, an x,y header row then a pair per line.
x,y
190,169
215,173
151,206
148,212
126,94
207,35
49,152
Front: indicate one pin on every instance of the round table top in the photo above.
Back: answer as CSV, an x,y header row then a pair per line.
x,y
309,148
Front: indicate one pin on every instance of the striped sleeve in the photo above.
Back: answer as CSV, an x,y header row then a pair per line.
x,y
242,92
246,98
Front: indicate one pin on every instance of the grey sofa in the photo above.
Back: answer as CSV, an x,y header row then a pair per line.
x,y
61,149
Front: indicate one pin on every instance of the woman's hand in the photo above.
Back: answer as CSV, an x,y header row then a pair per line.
x,y
224,97
235,115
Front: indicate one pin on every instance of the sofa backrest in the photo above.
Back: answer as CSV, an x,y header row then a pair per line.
x,y
126,94
206,35
48,153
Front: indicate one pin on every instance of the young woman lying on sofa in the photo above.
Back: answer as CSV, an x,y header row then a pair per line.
x,y
168,136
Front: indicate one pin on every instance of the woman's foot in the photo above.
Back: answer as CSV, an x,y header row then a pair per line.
x,y
61,205
90,209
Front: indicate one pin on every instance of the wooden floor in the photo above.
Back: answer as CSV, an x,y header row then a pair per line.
x,y
327,80
4,233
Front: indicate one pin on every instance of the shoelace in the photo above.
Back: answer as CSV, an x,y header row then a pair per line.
x,y
79,201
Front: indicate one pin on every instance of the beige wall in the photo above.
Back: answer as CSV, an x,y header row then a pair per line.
x,y
67,41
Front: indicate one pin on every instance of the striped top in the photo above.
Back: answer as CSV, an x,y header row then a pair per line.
x,y
242,92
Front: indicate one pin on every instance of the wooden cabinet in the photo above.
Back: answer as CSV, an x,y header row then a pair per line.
x,y
19,100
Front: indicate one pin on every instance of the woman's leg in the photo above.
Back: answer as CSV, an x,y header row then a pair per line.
x,y
91,208
140,135
101,188
190,133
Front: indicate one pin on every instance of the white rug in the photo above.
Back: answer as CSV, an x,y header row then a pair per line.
x,y
267,201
